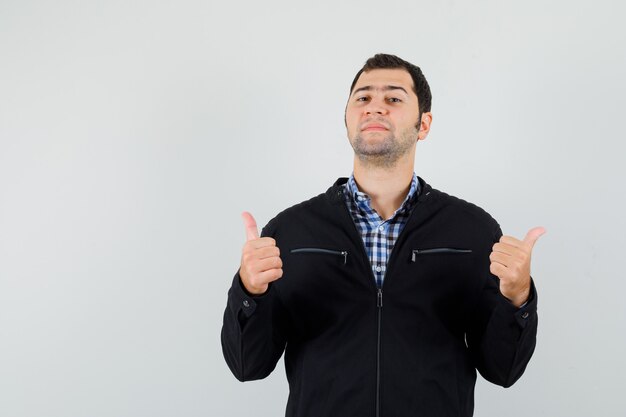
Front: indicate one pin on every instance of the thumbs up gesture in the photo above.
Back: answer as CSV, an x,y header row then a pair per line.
x,y
260,259
510,261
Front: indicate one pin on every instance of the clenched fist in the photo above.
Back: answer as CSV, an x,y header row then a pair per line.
x,y
260,259
510,261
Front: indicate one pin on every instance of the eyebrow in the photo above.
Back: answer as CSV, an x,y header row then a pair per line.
x,y
384,88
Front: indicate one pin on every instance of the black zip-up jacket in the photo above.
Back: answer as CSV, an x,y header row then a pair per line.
x,y
410,348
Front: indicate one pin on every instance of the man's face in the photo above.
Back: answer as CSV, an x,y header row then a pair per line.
x,y
381,116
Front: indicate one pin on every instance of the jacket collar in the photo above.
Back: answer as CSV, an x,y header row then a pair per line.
x,y
335,192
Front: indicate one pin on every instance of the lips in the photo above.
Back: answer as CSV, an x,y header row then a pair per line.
x,y
373,127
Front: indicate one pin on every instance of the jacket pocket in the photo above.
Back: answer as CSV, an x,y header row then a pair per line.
x,y
418,252
341,253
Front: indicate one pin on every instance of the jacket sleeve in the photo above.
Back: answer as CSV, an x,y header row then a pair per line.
x,y
502,337
253,331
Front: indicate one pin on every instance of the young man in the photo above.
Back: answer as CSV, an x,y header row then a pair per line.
x,y
385,294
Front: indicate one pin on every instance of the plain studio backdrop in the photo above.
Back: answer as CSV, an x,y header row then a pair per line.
x,y
134,133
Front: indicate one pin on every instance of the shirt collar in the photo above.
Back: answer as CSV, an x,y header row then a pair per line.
x,y
362,200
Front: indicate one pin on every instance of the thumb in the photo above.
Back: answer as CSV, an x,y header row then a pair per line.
x,y
533,234
250,224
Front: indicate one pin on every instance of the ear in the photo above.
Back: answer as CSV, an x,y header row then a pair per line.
x,y
427,119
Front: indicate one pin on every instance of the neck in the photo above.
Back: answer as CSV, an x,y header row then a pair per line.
x,y
387,186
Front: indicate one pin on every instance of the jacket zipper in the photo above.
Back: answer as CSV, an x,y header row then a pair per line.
x,y
379,304
379,293
437,250
320,250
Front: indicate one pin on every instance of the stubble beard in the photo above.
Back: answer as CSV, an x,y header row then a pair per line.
x,y
385,152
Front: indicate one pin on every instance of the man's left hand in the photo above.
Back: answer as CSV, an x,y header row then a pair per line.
x,y
510,261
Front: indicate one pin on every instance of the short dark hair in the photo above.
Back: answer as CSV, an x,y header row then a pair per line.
x,y
386,61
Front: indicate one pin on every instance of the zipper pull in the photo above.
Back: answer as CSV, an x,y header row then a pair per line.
x,y
345,256
380,298
413,256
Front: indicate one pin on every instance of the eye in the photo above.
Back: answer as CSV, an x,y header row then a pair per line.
x,y
394,100
362,98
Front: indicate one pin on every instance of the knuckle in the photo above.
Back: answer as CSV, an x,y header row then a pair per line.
x,y
252,280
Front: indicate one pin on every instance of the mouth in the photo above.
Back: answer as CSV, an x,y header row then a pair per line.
x,y
374,128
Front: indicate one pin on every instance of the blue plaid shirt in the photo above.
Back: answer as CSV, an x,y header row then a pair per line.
x,y
379,235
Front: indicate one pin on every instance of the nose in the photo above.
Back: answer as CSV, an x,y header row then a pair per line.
x,y
376,106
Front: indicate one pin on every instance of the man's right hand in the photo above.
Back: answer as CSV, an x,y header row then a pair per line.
x,y
260,259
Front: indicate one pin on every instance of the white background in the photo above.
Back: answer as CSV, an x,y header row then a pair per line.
x,y
133,134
